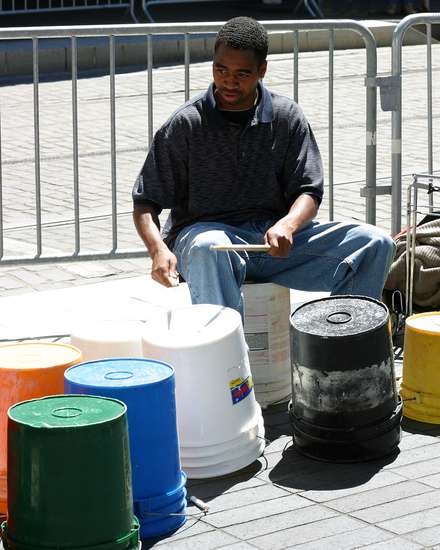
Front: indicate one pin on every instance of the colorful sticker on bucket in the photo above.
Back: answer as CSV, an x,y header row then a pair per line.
x,y
240,388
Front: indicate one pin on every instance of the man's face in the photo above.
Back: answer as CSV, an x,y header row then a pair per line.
x,y
236,74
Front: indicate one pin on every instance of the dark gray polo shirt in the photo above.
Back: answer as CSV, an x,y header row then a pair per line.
x,y
206,168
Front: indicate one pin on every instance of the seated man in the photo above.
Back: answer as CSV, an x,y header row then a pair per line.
x,y
239,164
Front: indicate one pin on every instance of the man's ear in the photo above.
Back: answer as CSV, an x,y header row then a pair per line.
x,y
262,70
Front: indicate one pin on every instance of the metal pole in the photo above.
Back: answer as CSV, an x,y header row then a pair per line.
x,y
396,141
150,88
113,143
371,123
1,194
330,124
187,62
37,144
295,65
396,118
429,106
75,142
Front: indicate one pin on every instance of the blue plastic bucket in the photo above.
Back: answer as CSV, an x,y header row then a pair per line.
x,y
147,387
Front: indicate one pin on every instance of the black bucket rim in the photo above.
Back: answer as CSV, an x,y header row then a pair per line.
x,y
365,432
345,296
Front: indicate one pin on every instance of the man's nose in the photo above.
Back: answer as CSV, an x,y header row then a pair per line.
x,y
231,82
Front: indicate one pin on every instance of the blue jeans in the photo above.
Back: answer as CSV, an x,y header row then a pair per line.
x,y
341,258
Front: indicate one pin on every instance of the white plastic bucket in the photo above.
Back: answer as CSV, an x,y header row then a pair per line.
x,y
108,339
220,423
266,327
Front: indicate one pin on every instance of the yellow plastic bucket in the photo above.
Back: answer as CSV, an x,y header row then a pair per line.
x,y
29,370
420,389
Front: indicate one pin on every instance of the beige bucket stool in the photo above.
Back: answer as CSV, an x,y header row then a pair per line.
x,y
266,329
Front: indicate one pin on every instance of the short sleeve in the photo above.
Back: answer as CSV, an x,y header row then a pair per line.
x,y
303,171
162,180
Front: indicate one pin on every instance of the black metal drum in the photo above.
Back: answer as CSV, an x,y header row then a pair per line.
x,y
345,406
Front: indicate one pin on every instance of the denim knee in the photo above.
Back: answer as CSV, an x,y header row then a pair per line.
x,y
203,241
384,243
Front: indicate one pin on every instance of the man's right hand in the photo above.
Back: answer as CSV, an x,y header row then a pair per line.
x,y
164,269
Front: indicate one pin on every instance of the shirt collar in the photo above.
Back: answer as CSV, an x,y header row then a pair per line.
x,y
263,112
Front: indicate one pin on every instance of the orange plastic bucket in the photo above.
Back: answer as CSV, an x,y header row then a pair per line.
x,y
29,370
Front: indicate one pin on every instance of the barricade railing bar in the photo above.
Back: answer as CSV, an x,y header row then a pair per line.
x,y
391,95
21,7
150,31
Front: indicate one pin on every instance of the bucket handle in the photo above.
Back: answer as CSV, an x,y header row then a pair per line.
x,y
339,317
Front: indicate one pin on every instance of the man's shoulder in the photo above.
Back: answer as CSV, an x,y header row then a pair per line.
x,y
284,106
188,113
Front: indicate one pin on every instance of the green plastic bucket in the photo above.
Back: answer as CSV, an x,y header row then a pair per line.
x,y
69,475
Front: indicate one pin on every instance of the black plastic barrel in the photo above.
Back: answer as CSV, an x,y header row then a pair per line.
x,y
345,406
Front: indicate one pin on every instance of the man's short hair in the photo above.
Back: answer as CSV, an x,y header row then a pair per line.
x,y
244,33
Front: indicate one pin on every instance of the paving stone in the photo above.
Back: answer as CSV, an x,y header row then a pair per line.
x,y
307,533
191,528
413,522
212,488
9,282
239,546
255,511
245,497
28,277
420,469
263,526
347,541
90,270
394,544
432,481
382,479
412,441
203,541
399,508
427,537
418,454
374,497
56,274
15,291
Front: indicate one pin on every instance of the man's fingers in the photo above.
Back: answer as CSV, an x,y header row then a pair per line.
x,y
164,277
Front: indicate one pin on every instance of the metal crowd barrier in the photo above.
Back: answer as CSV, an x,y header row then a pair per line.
x,y
391,93
188,31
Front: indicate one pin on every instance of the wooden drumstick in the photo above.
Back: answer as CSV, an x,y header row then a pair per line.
x,y
241,247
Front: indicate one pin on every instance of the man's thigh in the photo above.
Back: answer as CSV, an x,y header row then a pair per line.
x,y
317,251
205,234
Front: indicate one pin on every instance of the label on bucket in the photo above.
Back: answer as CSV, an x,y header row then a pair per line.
x,y
240,388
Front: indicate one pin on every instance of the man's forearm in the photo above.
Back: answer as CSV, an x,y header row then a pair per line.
x,y
147,225
302,210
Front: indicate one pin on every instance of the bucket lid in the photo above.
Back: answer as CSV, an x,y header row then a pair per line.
x,y
428,322
38,355
195,325
119,372
339,316
66,411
